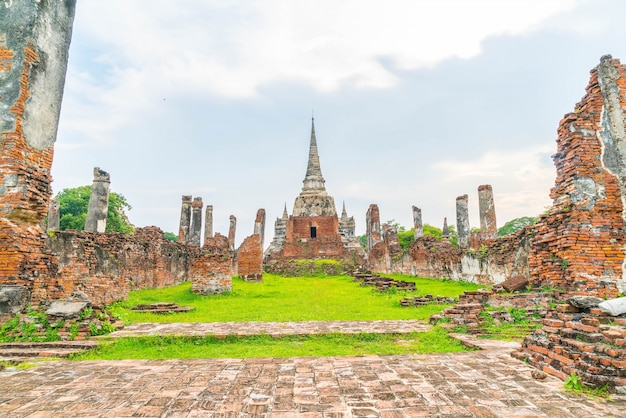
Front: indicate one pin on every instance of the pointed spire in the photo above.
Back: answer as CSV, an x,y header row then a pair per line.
x,y
313,181
344,214
285,214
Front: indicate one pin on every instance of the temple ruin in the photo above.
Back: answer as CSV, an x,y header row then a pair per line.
x,y
314,230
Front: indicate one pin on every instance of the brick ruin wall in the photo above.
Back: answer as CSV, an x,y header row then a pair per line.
x,y
326,244
250,259
580,243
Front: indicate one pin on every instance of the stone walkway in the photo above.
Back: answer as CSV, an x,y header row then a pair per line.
x,y
488,383
270,328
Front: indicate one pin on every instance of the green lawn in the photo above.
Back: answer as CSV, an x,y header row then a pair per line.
x,y
284,299
175,347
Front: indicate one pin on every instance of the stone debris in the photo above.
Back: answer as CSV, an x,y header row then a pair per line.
x,y
426,300
162,308
383,284
613,307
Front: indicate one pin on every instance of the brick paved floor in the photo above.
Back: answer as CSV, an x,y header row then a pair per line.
x,y
487,383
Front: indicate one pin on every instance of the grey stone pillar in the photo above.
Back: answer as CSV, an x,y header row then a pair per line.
x,y
196,221
54,217
445,232
259,225
487,209
418,227
372,225
96,220
208,223
185,220
231,232
462,221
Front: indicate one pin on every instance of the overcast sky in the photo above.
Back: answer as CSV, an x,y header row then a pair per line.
x,y
416,102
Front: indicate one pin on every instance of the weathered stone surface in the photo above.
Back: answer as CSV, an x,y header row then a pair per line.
x,y
445,232
196,221
96,220
613,307
13,299
259,226
54,216
208,223
34,43
418,227
66,309
346,224
250,259
487,211
185,220
231,232
515,283
211,272
462,221
373,230
579,244
585,302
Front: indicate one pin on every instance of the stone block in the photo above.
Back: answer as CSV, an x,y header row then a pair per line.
x,y
515,283
614,307
13,298
66,309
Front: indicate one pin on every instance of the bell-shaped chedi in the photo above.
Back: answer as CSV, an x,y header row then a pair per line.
x,y
579,244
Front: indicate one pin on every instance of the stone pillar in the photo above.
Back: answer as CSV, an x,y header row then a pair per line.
x,y
231,232
373,230
196,221
259,225
208,223
445,232
418,227
34,43
185,220
462,221
96,220
487,209
54,216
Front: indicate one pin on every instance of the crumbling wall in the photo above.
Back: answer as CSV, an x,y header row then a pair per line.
x,y
34,43
579,244
106,266
250,259
213,267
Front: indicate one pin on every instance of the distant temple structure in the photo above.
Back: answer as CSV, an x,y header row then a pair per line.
x,y
314,230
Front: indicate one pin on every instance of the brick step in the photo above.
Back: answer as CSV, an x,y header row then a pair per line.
x,y
7,353
79,345
61,349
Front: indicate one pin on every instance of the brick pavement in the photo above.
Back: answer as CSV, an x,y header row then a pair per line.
x,y
488,383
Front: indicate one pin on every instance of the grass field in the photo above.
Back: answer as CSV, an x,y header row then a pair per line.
x,y
284,299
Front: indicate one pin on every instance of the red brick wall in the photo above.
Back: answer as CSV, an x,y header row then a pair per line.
x,y
250,259
326,244
579,245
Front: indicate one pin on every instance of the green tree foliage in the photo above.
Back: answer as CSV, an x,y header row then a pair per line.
x,y
73,204
515,225
171,236
406,238
432,231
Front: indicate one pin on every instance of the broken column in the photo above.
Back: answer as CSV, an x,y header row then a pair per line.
x,y
208,223
185,220
231,232
96,220
34,43
259,225
54,216
487,211
462,221
373,232
418,227
196,221
445,232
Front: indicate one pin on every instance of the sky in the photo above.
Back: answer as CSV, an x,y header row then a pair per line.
x,y
415,102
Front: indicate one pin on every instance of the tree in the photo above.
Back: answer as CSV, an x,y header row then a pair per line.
x,y
515,225
73,204
171,236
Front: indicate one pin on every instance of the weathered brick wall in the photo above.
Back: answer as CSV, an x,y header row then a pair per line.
x,y
579,244
326,244
250,259
34,43
105,266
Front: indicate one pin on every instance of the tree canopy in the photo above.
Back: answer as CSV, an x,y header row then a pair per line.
x,y
73,204
515,225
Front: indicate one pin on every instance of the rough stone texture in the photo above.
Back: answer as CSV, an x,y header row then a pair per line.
x,y
418,227
250,259
106,266
445,232
462,221
515,283
259,226
34,43
373,230
585,302
54,216
196,221
208,223
613,307
487,211
96,220
346,225
185,220
212,270
280,232
579,244
13,299
66,309
231,232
